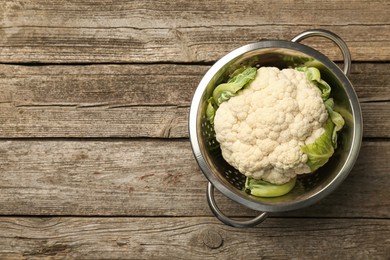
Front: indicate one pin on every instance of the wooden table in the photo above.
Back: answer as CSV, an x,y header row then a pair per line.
x,y
95,160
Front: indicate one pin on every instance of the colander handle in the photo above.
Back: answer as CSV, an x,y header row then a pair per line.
x,y
333,37
228,221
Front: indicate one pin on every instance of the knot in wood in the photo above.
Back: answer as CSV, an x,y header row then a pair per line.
x,y
212,239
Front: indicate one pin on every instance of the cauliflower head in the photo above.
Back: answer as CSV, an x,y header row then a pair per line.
x,y
262,128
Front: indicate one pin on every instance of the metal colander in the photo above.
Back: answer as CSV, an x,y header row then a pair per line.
x,y
309,187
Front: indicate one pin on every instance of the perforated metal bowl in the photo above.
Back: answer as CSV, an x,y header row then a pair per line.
x,y
310,188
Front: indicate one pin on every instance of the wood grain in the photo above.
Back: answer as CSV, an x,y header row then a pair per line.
x,y
180,31
154,178
94,157
133,121
136,100
192,238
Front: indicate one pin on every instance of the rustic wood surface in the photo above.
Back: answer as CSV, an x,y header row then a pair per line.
x,y
180,31
95,160
118,101
145,177
191,238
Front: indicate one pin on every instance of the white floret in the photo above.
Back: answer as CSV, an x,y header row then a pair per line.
x,y
262,129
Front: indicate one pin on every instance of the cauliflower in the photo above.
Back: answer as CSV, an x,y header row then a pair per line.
x,y
263,127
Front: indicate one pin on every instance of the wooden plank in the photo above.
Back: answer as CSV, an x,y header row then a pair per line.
x,y
74,121
183,31
192,238
135,100
134,121
139,84
154,177
100,85
94,101
376,117
370,85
